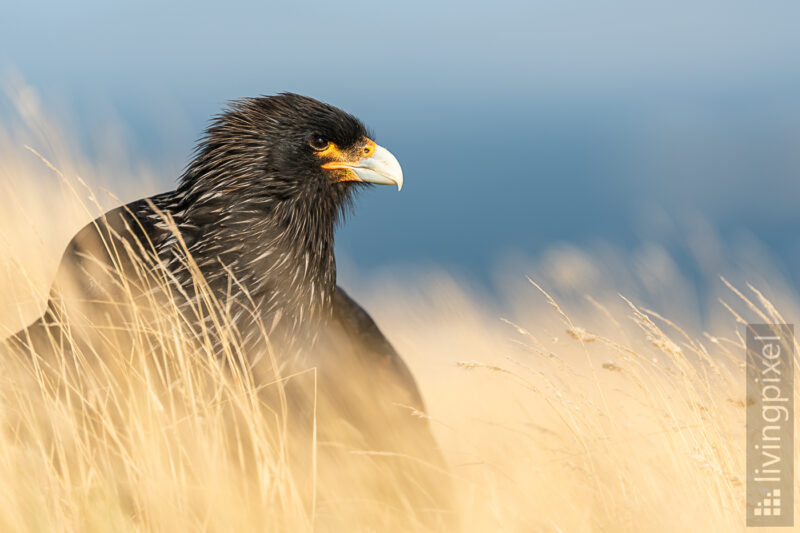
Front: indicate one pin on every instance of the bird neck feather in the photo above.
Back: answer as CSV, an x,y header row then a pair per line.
x,y
278,244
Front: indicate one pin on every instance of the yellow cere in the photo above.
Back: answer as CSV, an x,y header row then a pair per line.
x,y
343,160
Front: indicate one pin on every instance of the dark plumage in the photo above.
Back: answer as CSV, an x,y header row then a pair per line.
x,y
256,209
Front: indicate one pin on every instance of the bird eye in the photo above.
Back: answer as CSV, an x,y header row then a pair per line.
x,y
318,142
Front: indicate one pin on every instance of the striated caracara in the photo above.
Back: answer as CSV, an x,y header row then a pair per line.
x,y
254,217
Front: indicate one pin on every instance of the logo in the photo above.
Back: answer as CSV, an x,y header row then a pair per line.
x,y
770,425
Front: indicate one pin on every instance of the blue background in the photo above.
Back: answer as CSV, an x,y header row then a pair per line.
x,y
518,124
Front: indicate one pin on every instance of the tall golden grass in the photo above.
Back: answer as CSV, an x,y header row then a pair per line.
x,y
592,414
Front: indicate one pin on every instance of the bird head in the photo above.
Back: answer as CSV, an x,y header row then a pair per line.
x,y
286,147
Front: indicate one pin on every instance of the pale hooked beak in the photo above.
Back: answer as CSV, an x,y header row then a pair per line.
x,y
380,167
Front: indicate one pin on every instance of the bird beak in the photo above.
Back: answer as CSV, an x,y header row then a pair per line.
x,y
378,166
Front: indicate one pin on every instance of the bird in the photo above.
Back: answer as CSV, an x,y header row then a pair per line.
x,y
254,217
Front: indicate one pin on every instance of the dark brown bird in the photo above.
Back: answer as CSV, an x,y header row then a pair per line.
x,y
256,211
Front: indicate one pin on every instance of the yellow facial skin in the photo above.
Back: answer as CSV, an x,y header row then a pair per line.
x,y
366,162
341,162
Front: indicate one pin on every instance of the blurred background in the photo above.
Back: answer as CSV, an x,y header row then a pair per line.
x,y
602,148
525,129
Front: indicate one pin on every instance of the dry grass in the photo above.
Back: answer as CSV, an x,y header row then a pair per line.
x,y
598,415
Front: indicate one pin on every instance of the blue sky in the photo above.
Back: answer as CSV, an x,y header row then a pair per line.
x,y
518,124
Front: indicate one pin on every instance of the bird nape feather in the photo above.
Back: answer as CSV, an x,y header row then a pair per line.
x,y
249,233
